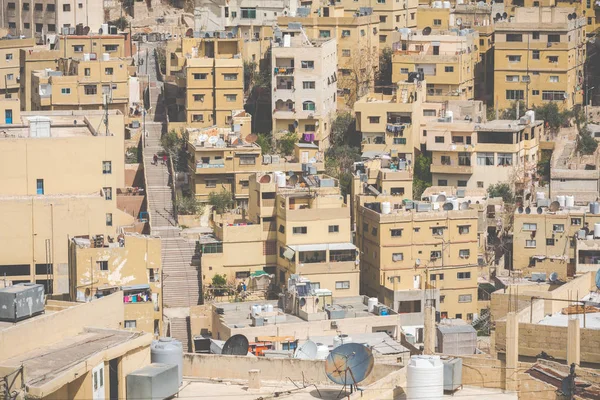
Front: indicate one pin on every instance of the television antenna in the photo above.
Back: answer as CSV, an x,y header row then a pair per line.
x,y
348,365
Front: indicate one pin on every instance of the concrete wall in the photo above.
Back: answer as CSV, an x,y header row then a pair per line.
x,y
43,330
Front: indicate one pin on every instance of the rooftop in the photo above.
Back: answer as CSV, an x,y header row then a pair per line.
x,y
380,342
505,125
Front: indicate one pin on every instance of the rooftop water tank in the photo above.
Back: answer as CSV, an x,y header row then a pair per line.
x,y
449,114
425,378
594,207
322,351
167,350
371,303
540,195
386,207
279,178
446,4
105,57
570,201
437,4
561,200
597,230
433,198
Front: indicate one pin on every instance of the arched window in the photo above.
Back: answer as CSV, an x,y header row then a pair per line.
x,y
308,106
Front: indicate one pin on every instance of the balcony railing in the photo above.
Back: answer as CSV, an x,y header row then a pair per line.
x,y
283,70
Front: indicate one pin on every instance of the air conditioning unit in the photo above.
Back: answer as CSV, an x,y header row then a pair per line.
x,y
266,159
275,159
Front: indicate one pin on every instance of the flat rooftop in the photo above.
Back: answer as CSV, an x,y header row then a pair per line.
x,y
505,125
380,342
47,363
592,320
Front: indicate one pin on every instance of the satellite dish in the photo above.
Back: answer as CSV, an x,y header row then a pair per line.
x,y
459,21
504,15
553,277
554,206
289,254
302,302
86,30
426,31
220,143
441,198
203,137
540,210
464,205
528,210
213,139
418,262
293,180
237,345
598,279
307,351
349,364
570,17
251,138
520,209
189,33
448,206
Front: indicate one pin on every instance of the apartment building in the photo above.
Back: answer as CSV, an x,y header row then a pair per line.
x,y
357,47
389,124
548,239
60,173
223,160
10,75
132,265
39,18
82,84
475,155
295,224
539,58
446,59
393,15
573,174
412,252
304,85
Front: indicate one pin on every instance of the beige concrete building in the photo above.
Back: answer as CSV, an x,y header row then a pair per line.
x,y
82,85
304,86
131,264
475,155
446,60
9,70
40,18
60,174
539,58
357,48
228,164
72,351
410,255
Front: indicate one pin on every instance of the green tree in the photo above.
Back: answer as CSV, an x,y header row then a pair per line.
x,y
219,280
511,113
343,130
501,190
265,143
339,161
287,143
250,71
121,23
161,56
383,76
175,145
421,175
550,114
189,205
586,144
221,201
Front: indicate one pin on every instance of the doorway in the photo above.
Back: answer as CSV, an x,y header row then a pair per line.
x,y
113,378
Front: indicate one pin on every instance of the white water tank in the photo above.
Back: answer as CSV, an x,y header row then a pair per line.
x,y
531,115
433,198
446,4
449,114
540,196
104,28
437,4
386,207
86,56
167,350
435,206
340,340
570,202
322,351
454,204
270,308
425,378
562,201
105,57
255,309
589,237
594,207
371,303
279,179
597,230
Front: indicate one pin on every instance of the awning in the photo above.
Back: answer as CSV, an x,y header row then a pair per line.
x,y
309,247
342,246
135,287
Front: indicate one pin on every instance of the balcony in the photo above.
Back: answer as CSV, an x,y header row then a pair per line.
x,y
450,168
203,168
283,70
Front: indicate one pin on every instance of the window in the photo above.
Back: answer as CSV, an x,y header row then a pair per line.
x,y
230,77
445,160
211,183
399,140
549,242
106,167
66,7
464,253
437,231
310,127
535,55
436,254
553,95
512,78
345,33
505,159
374,231
382,18
102,265
461,183
25,6
38,27
299,230
404,70
107,193
365,227
575,221
80,5
442,182
198,97
485,159
90,90
535,92
529,227
396,232
51,28
362,32
11,6
558,228
442,297
514,37
464,298
397,191
480,184
87,71
437,22
334,228
230,98
345,53
200,77
397,257
437,277
553,59
308,85
463,275
324,34
553,38
307,64
308,106
13,25
108,219
108,71
382,38
515,95
247,160
458,316
40,7
130,323
464,229
439,139
448,69
27,25
40,186
553,78
373,120
198,117
342,284
514,59
65,90
248,13
530,243
536,36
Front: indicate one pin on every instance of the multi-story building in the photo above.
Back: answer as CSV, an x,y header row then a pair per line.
x,y
476,155
446,59
357,47
539,58
304,85
412,252
60,173
10,49
393,15
40,18
222,160
134,267
82,84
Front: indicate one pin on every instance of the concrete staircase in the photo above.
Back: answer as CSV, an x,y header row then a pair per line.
x,y
181,272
